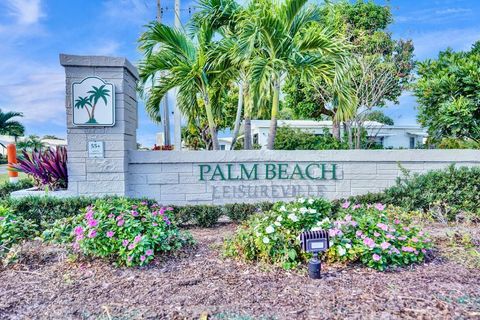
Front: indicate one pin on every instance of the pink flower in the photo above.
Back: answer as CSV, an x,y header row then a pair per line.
x,y
129,259
420,233
424,251
134,207
357,206
134,213
382,226
414,239
376,257
131,246
143,203
92,223
389,236
78,230
120,223
402,238
170,209
408,249
149,252
348,217
406,228
353,223
2,218
80,237
376,234
76,245
137,239
89,215
110,234
125,243
162,211
334,232
154,213
92,233
369,242
120,217
396,221
142,258
154,224
111,215
346,204
358,233
385,245
143,219
379,206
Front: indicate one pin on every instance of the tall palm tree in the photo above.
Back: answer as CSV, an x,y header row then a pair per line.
x,y
285,39
95,95
11,127
186,64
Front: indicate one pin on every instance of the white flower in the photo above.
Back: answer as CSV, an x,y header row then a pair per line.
x,y
324,221
348,246
301,200
266,240
270,229
316,229
279,218
282,208
294,209
278,224
311,201
293,217
341,251
312,210
258,234
303,210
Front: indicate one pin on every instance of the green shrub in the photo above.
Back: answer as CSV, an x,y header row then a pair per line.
x,y
13,229
374,236
7,187
45,210
238,212
200,215
446,194
368,234
61,230
272,237
128,232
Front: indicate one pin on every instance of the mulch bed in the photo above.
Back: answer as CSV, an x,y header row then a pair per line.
x,y
198,282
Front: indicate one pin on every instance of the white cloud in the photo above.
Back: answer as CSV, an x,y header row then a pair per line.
x,y
26,12
105,48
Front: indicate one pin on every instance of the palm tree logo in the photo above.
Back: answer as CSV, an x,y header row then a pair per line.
x,y
89,103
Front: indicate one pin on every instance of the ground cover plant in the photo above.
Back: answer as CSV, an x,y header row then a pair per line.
x,y
8,187
127,232
368,234
13,229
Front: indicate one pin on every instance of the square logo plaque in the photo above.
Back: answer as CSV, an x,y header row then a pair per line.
x,y
93,101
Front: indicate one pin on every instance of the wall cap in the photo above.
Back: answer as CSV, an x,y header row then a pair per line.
x,y
69,60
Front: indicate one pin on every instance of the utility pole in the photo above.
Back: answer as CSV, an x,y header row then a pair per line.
x,y
177,113
166,111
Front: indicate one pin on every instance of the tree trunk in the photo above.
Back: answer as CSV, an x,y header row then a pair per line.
x,y
358,138
273,122
350,135
247,137
344,131
336,130
238,117
211,123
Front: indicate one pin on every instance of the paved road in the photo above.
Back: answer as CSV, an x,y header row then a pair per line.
x,y
3,169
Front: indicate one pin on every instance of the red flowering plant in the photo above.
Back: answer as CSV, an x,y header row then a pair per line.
x,y
374,235
128,232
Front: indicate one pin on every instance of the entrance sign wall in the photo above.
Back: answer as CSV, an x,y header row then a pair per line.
x,y
103,160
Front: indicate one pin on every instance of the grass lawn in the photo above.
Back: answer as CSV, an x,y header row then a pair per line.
x,y
4,177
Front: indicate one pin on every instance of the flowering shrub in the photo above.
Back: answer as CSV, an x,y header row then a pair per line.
x,y
370,234
272,237
13,229
373,235
128,232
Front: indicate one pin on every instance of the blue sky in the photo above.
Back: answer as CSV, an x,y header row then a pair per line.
x,y
34,32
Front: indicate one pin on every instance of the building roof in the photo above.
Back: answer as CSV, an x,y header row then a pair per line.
x,y
326,124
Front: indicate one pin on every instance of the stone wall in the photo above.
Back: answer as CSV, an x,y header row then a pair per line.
x,y
107,175
175,177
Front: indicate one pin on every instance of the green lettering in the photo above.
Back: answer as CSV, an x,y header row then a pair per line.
x,y
333,171
297,171
243,171
282,171
217,172
307,171
270,168
229,166
202,172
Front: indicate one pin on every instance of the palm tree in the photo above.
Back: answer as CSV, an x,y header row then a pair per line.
x,y
186,64
83,102
285,39
31,143
95,95
11,127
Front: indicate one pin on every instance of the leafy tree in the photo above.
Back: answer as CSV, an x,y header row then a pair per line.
x,y
448,95
296,139
379,116
187,65
31,143
10,127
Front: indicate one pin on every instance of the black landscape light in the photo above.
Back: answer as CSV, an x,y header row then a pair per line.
x,y
314,242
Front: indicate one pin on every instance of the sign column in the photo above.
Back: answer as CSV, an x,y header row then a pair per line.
x,y
102,119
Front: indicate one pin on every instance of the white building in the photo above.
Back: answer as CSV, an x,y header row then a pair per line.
x,y
406,137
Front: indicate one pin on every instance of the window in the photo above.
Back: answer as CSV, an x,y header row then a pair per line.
x,y
255,138
412,142
222,147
